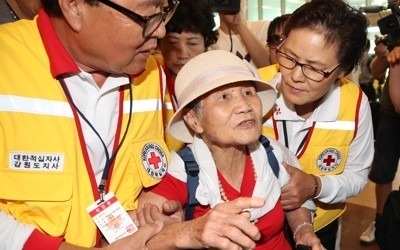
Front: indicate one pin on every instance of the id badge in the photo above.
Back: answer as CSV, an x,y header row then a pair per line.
x,y
111,218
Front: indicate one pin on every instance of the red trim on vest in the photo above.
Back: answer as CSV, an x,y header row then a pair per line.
x,y
308,139
38,240
170,81
60,60
275,127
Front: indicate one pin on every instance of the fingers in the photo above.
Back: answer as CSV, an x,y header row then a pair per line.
x,y
394,56
309,238
174,209
147,213
298,190
228,231
291,170
148,231
231,223
239,204
150,213
171,207
139,239
133,215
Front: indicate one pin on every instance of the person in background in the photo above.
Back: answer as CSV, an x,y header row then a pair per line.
x,y
13,10
189,32
243,38
274,36
387,150
366,82
222,121
366,79
321,117
394,88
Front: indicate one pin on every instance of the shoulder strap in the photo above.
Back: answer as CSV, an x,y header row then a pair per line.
x,y
192,170
273,162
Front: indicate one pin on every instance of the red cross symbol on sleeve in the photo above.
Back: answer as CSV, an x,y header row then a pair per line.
x,y
328,160
154,160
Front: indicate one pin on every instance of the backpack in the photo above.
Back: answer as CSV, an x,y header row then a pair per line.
x,y
389,230
192,170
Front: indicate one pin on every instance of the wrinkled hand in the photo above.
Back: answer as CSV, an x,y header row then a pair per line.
x,y
298,190
306,236
174,209
226,226
149,213
138,240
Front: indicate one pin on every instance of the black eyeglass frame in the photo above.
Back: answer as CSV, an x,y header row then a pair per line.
x,y
274,41
145,20
324,74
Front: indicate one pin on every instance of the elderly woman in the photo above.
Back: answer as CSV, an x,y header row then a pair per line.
x,y
221,104
320,116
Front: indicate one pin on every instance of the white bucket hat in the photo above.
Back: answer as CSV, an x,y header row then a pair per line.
x,y
208,71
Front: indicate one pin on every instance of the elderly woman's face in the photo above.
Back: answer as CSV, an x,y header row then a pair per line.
x,y
230,115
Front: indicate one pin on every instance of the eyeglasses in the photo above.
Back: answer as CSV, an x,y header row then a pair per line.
x,y
274,41
309,71
150,23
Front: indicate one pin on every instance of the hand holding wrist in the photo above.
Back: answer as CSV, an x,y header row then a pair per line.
x,y
302,228
316,187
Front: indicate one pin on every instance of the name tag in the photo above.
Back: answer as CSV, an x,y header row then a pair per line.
x,y
36,161
111,218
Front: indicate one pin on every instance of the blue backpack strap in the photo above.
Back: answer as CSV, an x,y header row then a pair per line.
x,y
273,162
192,170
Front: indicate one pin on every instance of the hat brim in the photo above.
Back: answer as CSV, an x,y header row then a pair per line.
x,y
177,126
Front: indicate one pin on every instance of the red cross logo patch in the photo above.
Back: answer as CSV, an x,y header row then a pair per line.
x,y
154,160
329,160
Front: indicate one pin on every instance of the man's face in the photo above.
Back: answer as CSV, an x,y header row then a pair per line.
x,y
110,41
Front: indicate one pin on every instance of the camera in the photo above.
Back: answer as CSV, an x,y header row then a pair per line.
x,y
225,6
390,26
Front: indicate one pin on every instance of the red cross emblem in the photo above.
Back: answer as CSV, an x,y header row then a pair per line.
x,y
328,160
154,160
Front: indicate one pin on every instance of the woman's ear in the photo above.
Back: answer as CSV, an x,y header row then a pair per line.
x,y
192,120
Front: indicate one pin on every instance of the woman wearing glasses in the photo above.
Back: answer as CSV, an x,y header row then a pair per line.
x,y
320,116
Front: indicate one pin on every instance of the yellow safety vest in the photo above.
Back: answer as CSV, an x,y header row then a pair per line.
x,y
44,179
326,147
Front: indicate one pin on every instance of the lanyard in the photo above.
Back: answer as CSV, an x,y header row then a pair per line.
x,y
109,160
286,137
